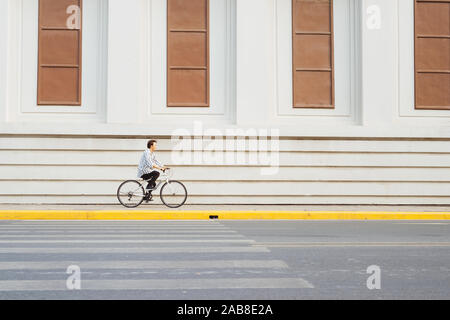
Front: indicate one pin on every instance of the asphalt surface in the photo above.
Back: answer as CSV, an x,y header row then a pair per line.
x,y
224,259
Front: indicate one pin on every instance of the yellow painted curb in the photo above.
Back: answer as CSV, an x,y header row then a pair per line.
x,y
221,215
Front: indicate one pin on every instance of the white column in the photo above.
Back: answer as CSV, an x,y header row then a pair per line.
x,y
124,55
379,62
255,61
3,58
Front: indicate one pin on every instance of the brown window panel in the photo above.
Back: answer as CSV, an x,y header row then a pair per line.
x,y
188,53
313,54
59,58
432,54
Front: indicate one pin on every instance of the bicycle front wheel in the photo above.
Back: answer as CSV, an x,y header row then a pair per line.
x,y
130,194
173,194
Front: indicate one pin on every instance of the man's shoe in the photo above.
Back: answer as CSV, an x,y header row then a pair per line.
x,y
148,197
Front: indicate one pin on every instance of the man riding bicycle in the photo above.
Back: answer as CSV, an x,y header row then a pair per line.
x,y
132,193
148,166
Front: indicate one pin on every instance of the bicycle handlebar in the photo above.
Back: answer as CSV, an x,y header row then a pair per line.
x,y
164,171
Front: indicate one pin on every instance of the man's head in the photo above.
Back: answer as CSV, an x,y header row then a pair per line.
x,y
151,144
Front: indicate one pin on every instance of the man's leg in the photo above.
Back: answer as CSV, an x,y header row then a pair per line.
x,y
151,179
146,177
153,176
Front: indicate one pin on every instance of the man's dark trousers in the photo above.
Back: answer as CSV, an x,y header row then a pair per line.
x,y
151,178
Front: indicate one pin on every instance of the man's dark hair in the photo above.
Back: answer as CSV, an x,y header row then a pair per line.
x,y
150,143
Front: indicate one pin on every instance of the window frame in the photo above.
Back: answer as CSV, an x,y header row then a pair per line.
x,y
169,67
332,57
40,102
416,46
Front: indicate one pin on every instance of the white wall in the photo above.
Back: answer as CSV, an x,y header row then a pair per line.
x,y
22,88
3,59
251,74
264,69
64,169
345,73
379,63
255,58
373,149
124,51
222,45
140,83
388,70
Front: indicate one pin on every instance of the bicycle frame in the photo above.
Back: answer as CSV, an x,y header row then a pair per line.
x,y
166,179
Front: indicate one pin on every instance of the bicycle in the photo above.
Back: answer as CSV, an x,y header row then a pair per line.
x,y
173,193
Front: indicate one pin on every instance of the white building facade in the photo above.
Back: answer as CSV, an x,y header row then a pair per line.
x,y
360,106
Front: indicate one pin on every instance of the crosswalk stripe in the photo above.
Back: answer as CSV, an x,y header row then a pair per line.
x,y
130,230
160,284
122,226
114,230
132,241
73,241
351,244
119,236
187,264
90,232
218,226
133,250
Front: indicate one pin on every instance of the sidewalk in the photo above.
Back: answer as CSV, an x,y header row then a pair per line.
x,y
224,212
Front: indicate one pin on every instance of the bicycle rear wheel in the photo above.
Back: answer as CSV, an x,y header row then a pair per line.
x,y
130,194
173,194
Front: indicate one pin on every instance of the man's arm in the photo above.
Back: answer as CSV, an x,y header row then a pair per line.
x,y
158,165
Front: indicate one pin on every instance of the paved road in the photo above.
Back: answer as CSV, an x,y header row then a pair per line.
x,y
224,259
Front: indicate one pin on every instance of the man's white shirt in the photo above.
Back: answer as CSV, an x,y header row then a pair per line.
x,y
148,160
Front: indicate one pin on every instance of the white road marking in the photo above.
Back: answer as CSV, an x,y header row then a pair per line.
x,y
160,284
89,232
130,241
93,224
424,223
201,238
118,236
102,227
351,244
166,264
132,250
70,241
